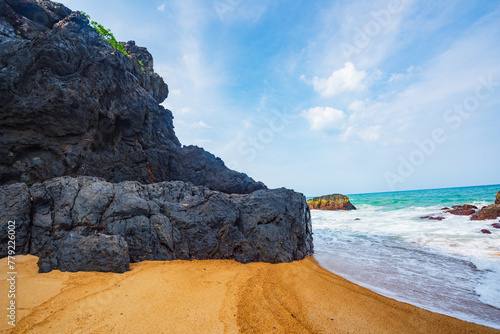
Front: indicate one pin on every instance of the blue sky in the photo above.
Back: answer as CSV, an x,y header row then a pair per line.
x,y
328,96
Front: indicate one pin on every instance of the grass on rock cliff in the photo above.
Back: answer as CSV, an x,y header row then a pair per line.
x,y
108,36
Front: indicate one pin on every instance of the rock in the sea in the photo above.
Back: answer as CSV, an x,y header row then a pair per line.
x,y
497,198
485,231
496,225
161,221
487,212
462,210
70,104
96,252
432,217
331,202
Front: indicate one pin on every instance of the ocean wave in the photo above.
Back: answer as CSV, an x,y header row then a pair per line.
x,y
446,266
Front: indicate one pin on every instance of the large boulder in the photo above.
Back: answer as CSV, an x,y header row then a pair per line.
x,y
462,210
487,212
96,252
497,199
163,221
331,202
70,104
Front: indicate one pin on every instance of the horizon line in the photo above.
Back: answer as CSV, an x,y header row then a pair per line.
x,y
407,190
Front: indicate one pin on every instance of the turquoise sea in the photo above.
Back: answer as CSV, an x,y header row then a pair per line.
x,y
446,266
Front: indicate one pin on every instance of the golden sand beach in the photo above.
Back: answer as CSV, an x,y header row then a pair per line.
x,y
213,296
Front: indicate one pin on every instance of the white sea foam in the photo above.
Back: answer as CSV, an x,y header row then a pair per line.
x,y
446,266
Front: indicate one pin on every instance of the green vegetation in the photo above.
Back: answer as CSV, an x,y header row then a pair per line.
x,y
108,36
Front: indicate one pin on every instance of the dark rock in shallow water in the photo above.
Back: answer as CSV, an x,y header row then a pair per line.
x,y
96,252
497,198
331,202
432,217
487,212
70,104
162,221
485,231
462,210
496,225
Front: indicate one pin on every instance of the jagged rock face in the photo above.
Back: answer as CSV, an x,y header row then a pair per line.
x,y
15,207
497,199
96,252
331,202
57,220
72,105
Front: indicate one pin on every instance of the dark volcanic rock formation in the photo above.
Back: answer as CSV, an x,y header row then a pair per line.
x,y
497,199
87,223
72,108
331,202
15,206
72,105
96,252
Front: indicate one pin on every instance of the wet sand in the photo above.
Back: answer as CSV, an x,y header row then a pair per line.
x,y
214,296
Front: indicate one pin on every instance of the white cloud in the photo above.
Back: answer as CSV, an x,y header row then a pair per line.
x,y
161,7
347,133
429,91
184,110
370,30
239,10
201,142
356,105
399,76
201,124
247,124
371,133
343,80
191,125
197,125
324,118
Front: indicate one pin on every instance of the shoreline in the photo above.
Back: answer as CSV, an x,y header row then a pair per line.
x,y
212,296
406,300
